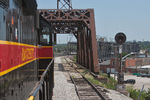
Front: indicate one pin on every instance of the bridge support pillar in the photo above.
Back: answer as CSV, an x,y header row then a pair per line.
x,y
95,66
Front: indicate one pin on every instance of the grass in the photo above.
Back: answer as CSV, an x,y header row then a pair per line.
x,y
92,80
74,58
111,82
134,94
72,76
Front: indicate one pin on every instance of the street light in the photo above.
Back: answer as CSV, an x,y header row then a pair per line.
x,y
132,53
123,58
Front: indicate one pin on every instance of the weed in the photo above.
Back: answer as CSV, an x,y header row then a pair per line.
x,y
134,93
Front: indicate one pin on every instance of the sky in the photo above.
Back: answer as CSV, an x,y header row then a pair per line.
x,y
112,16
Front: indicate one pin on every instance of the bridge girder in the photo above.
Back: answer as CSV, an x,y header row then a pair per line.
x,y
81,23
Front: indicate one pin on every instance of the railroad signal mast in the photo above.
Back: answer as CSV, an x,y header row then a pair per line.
x,y
64,4
120,38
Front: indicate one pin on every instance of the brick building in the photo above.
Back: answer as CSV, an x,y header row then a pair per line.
x,y
133,65
112,65
128,65
129,62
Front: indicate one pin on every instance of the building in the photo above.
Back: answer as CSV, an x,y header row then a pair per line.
x,y
108,50
131,65
129,47
112,66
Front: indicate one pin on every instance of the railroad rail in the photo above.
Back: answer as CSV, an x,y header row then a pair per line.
x,y
85,89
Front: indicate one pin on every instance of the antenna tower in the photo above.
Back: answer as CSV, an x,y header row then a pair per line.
x,y
64,4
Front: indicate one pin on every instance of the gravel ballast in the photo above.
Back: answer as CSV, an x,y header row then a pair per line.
x,y
63,89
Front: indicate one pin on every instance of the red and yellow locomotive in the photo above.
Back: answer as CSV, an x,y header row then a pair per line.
x,y
25,48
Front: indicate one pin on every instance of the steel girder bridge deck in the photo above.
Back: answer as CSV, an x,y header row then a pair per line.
x,y
81,23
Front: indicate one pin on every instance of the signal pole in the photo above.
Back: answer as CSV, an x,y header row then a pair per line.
x,y
120,74
120,38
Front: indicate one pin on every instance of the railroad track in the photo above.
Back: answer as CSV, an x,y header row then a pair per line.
x,y
84,88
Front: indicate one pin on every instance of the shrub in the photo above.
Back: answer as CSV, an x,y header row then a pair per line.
x,y
134,93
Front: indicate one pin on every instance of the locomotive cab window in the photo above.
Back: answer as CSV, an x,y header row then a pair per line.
x,y
2,24
45,36
45,39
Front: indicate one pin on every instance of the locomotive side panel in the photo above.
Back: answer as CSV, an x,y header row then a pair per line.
x,y
18,58
25,51
17,84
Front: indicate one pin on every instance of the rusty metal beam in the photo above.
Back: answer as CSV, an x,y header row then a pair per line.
x,y
81,23
93,42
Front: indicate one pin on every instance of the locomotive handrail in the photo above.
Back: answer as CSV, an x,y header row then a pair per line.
x,y
39,84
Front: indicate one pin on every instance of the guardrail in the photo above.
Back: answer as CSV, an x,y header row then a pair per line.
x,y
45,85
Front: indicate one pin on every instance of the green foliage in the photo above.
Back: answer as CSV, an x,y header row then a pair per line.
x,y
134,93
91,78
144,45
147,95
60,47
73,76
75,58
93,81
103,74
124,54
85,72
111,83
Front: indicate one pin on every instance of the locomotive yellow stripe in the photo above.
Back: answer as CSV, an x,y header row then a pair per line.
x,y
45,46
20,65
31,98
15,67
16,43
22,44
42,70
45,57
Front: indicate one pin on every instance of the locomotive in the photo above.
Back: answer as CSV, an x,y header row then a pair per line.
x,y
26,48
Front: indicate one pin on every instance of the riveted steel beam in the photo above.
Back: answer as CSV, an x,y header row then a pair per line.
x,y
81,23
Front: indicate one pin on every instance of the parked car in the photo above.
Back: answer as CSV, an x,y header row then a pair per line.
x,y
129,81
145,75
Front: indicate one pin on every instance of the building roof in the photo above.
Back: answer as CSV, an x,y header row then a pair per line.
x,y
134,67
146,66
139,67
107,62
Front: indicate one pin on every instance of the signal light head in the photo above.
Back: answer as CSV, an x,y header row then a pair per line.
x,y
120,38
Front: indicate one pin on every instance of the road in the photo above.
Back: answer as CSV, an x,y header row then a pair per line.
x,y
140,81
